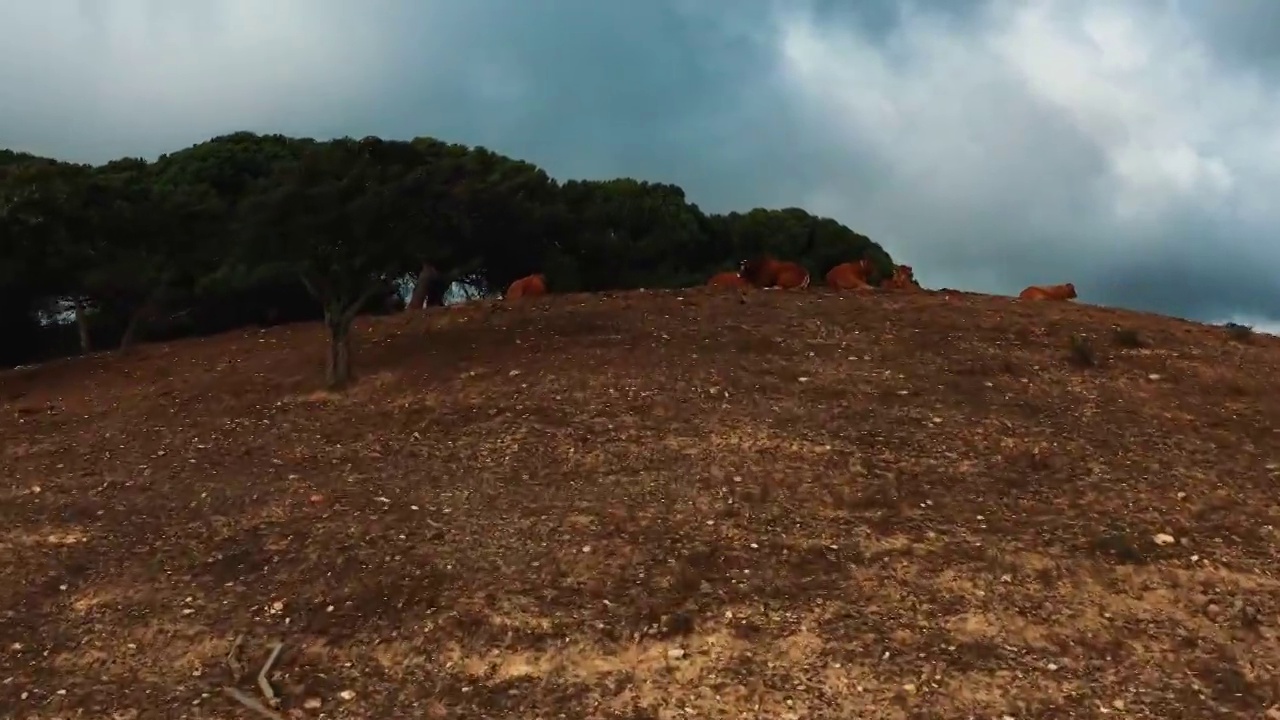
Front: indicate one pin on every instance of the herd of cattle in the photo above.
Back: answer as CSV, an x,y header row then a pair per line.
x,y
769,273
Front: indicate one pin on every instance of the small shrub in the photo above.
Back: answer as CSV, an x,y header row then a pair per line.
x,y
1119,546
1129,338
1239,333
1081,352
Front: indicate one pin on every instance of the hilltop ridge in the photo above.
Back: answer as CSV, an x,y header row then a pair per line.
x,y
655,504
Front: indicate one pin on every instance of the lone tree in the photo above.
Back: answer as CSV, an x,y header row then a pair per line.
x,y
349,217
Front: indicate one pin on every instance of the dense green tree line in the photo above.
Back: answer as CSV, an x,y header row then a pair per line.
x,y
261,229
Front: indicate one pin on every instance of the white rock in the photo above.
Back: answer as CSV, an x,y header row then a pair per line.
x,y
1163,539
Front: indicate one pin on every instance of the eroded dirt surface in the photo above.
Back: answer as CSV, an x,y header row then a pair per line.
x,y
653,505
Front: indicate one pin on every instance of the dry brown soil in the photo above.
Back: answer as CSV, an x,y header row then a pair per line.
x,y
653,505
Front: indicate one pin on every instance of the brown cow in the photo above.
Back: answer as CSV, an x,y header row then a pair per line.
x,y
728,279
850,275
767,272
528,286
903,278
1049,292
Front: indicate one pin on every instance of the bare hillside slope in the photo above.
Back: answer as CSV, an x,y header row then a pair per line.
x,y
653,505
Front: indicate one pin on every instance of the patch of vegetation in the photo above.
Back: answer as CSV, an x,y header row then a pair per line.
x,y
1119,546
1239,333
1080,352
1129,338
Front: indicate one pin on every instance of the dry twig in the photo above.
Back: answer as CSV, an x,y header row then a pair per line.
x,y
264,684
252,704
233,659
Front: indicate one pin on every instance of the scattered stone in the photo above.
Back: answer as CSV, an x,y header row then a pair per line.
x,y
347,695
1163,539
675,653
314,703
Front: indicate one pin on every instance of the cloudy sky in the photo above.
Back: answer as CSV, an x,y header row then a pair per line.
x,y
1130,146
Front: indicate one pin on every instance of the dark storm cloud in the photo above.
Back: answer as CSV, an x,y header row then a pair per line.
x,y
1123,145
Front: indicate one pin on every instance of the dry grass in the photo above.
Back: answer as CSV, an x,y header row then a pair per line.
x,y
654,505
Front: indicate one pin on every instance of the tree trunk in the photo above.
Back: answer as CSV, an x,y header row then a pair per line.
x,y
337,370
418,299
141,312
134,325
82,326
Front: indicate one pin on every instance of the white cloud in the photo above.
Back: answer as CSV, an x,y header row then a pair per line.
x,y
181,70
1058,126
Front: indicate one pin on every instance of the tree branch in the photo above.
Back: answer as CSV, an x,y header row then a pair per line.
x,y
349,314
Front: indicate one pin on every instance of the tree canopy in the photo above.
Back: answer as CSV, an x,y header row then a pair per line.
x,y
260,229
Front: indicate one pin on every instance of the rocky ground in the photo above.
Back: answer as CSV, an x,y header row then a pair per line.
x,y
653,505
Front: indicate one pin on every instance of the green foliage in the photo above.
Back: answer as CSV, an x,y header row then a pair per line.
x,y
248,221
347,216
